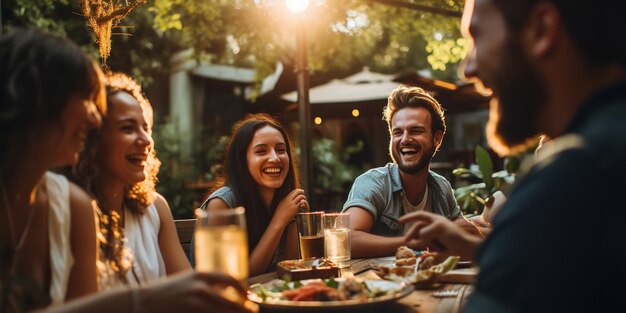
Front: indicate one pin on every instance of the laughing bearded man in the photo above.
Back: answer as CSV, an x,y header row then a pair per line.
x,y
381,195
558,68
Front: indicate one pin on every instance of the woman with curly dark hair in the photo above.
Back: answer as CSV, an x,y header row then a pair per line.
x,y
260,175
51,94
119,167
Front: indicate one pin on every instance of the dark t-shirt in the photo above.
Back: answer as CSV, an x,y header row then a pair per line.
x,y
559,243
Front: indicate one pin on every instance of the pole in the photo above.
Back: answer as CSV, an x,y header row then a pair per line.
x,y
304,108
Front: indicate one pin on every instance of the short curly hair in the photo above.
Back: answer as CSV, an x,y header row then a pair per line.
x,y
140,195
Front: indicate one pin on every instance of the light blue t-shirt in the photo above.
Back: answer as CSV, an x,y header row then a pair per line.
x,y
379,191
227,195
224,193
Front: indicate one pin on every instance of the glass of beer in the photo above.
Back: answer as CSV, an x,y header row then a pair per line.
x,y
221,244
311,234
337,238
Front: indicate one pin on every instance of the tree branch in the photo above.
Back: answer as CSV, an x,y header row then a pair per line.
x,y
418,7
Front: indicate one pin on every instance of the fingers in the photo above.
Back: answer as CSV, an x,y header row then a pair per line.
x,y
295,193
304,205
221,279
217,303
411,217
426,234
414,231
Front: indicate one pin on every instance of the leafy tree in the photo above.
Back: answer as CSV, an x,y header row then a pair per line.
x,y
342,35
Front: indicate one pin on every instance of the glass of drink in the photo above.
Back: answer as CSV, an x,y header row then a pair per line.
x,y
221,244
311,234
337,238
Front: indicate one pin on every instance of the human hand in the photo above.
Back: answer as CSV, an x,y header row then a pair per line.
x,y
290,205
439,234
191,292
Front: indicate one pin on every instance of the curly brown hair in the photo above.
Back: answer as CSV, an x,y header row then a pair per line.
x,y
140,195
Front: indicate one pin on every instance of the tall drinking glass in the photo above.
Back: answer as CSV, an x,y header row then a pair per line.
x,y
221,244
311,234
337,238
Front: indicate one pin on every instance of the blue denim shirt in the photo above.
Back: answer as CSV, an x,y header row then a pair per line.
x,y
379,191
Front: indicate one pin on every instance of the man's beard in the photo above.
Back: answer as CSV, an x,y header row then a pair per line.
x,y
514,116
424,161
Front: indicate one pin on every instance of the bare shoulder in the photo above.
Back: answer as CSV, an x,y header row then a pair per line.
x,y
159,201
163,208
79,199
217,204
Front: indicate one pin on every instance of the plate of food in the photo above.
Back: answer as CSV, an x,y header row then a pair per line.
x,y
326,294
307,269
401,267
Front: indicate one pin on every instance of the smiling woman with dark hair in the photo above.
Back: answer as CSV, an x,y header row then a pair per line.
x,y
51,94
47,231
260,175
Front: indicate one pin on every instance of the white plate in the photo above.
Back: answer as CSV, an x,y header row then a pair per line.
x,y
401,289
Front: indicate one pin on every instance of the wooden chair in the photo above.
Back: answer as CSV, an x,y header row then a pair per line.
x,y
185,228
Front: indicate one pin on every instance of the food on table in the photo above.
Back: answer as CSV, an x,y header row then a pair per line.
x,y
320,290
315,291
423,277
427,260
403,269
405,256
307,269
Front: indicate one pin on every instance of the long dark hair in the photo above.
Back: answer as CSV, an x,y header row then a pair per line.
x,y
39,73
237,176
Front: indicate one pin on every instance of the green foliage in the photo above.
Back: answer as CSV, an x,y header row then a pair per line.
x,y
36,13
332,172
342,35
177,172
481,183
132,41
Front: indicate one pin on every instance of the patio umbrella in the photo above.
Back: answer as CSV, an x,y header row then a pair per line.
x,y
360,87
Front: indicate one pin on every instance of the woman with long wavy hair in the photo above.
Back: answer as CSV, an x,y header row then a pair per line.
x,y
51,94
260,175
119,167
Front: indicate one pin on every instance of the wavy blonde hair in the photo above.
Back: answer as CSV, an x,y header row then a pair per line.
x,y
139,196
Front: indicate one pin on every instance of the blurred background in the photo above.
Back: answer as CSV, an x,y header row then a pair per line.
x,y
205,64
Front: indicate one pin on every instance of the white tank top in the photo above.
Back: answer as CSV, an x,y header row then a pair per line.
x,y
142,233
59,221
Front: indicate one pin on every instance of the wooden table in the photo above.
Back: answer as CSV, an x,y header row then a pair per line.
x,y
418,301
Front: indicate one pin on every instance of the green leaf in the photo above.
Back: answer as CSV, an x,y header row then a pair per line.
x,y
512,164
486,167
331,282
